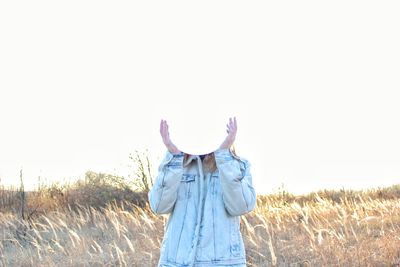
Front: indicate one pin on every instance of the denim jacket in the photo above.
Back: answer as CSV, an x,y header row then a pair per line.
x,y
204,208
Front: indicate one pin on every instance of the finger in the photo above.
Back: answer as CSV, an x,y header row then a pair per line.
x,y
232,130
166,130
228,128
231,123
162,127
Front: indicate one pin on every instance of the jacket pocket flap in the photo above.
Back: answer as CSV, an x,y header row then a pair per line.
x,y
188,177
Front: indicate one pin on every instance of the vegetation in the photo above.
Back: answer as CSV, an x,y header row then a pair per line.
x,y
103,221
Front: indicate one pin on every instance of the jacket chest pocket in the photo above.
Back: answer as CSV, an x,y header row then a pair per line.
x,y
186,186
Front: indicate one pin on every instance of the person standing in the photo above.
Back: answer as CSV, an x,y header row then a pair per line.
x,y
204,195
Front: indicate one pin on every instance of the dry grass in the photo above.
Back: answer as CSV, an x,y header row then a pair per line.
x,y
316,231
86,236
355,232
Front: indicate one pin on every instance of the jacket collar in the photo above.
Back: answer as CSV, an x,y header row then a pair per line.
x,y
191,157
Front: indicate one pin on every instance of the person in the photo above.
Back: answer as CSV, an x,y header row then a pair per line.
x,y
204,195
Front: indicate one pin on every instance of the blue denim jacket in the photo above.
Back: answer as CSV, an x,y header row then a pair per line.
x,y
203,227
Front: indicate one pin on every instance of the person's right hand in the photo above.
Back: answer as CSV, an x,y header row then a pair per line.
x,y
165,137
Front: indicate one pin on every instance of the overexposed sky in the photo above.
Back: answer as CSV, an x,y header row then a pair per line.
x,y
314,86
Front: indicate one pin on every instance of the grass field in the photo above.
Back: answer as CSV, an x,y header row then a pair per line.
x,y
87,225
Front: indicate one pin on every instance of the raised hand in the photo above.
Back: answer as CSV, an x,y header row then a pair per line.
x,y
231,130
165,137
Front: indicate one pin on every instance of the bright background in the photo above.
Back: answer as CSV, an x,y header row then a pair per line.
x,y
314,86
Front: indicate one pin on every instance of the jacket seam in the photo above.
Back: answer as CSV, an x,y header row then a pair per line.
x,y
162,190
213,211
162,181
241,184
247,205
180,234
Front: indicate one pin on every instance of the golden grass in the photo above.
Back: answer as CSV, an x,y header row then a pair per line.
x,y
358,231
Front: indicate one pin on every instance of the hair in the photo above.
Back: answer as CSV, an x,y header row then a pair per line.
x,y
210,163
209,160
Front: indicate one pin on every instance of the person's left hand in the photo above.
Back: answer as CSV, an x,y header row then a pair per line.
x,y
231,130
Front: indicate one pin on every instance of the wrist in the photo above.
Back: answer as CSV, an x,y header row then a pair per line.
x,y
174,150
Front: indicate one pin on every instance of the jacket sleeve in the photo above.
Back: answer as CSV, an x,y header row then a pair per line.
x,y
238,194
163,194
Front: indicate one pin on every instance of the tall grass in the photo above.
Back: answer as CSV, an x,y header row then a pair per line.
x,y
101,221
358,229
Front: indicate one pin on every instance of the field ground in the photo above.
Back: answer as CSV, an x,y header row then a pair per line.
x,y
328,228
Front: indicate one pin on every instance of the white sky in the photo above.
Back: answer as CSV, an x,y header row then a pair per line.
x,y
314,86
